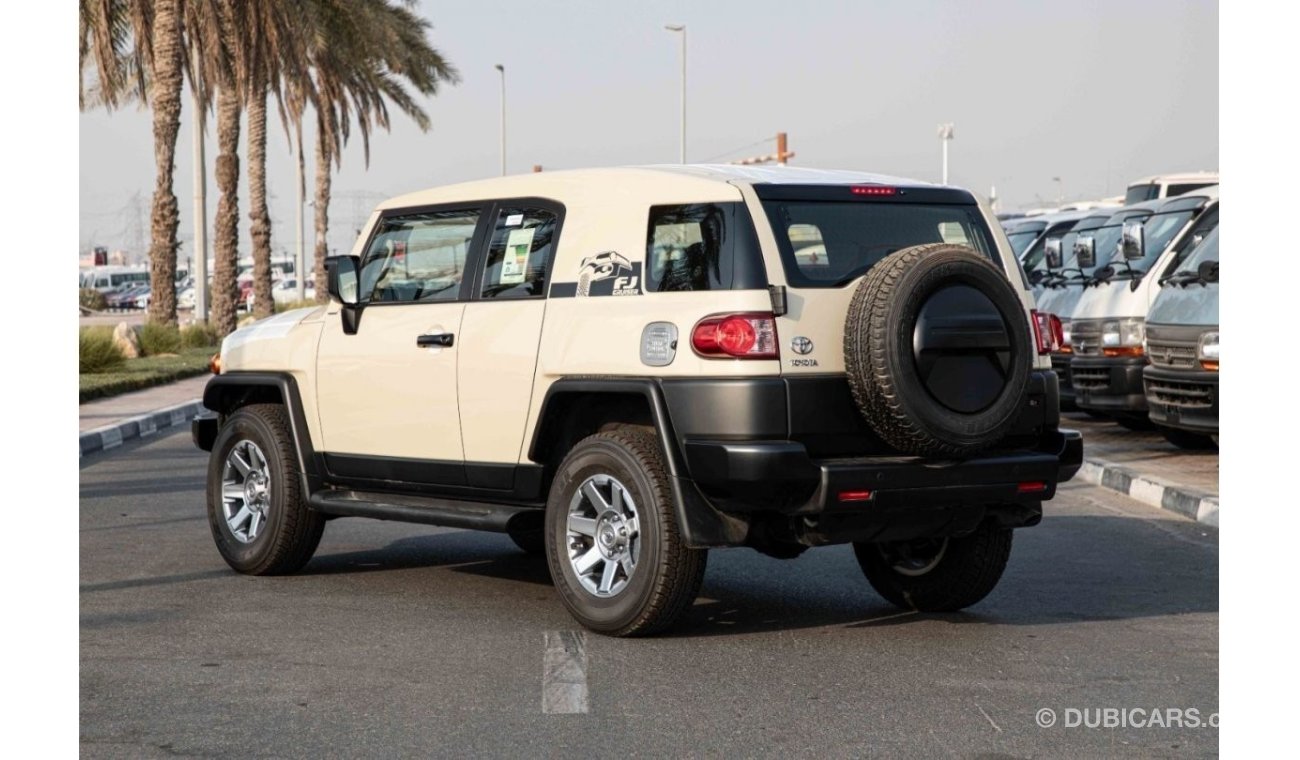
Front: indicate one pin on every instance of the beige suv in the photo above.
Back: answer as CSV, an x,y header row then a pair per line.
x,y
625,367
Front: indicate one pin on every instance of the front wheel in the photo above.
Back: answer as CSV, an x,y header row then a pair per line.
x,y
936,574
612,540
258,514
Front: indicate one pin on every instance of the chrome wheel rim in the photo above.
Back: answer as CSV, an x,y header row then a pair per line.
x,y
245,491
603,536
916,558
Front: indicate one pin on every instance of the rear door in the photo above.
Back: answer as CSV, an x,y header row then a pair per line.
x,y
499,336
387,394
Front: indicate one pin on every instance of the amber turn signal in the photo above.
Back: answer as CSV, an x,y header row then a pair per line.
x,y
1122,351
214,363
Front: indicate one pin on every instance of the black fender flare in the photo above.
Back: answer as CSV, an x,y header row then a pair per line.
x,y
701,524
227,391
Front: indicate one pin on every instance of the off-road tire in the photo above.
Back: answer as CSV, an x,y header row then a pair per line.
x,y
969,569
292,530
881,368
668,573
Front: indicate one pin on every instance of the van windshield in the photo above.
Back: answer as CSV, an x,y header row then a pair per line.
x,y
826,244
1139,193
1067,251
1208,250
1159,230
1021,239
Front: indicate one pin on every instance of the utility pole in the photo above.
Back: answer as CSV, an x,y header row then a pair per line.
x,y
945,137
199,271
682,28
782,154
502,69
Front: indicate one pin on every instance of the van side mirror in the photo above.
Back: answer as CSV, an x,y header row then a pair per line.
x,y
1132,241
1208,271
1052,253
342,273
1085,251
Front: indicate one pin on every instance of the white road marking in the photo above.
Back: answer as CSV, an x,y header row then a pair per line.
x,y
564,673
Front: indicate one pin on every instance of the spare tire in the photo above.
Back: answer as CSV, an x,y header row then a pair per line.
x,y
937,350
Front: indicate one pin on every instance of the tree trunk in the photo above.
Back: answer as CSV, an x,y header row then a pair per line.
x,y
323,180
263,305
225,289
165,99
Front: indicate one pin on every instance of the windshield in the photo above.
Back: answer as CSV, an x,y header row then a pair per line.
x,y
1067,251
827,244
1021,239
1208,250
1139,193
1159,230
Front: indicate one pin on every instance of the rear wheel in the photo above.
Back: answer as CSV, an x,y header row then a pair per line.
x,y
612,540
937,574
258,514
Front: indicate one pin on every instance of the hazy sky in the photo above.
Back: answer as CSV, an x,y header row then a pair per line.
x,y
1096,93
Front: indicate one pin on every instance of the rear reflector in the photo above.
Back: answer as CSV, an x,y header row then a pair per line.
x,y
1031,486
736,336
873,190
856,495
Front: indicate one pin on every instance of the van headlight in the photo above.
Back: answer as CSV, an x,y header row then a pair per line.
x,y
1128,332
1065,332
1208,347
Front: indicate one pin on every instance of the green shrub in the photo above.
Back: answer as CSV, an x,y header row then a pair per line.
x,y
97,351
198,336
93,299
159,339
310,303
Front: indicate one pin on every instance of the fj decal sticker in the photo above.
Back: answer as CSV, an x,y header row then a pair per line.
x,y
609,274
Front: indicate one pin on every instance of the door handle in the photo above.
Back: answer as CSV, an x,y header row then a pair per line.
x,y
443,340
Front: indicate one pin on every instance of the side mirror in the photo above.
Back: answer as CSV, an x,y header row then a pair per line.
x,y
1052,253
1085,251
1208,271
342,272
1132,241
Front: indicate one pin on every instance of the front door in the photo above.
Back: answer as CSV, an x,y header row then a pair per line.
x,y
387,394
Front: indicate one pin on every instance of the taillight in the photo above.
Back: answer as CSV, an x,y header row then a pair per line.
x,y
1049,333
736,336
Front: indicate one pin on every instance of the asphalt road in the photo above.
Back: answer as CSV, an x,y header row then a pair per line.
x,y
402,640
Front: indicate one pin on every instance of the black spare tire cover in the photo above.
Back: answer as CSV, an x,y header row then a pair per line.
x,y
937,350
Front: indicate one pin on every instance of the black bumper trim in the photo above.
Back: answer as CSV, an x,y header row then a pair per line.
x,y
203,431
762,476
1120,388
1195,418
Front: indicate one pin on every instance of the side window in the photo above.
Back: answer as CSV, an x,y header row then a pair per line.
x,y
687,248
523,241
809,248
418,257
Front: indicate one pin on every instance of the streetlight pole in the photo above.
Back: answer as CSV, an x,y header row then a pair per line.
x,y
502,69
682,28
945,137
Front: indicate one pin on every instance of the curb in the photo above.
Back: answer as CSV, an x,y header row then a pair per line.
x,y
1190,503
112,436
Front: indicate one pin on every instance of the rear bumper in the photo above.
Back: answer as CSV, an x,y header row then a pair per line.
x,y
1183,399
779,476
1109,384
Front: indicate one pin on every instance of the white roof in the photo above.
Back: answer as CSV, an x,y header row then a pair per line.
x,y
706,178
1172,179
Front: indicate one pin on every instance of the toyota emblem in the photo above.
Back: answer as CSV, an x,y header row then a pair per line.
x,y
801,345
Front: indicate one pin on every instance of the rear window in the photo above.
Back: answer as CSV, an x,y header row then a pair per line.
x,y
829,243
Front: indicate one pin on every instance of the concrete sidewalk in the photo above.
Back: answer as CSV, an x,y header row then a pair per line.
x,y
109,422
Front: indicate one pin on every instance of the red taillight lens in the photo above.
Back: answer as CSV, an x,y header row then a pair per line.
x,y
737,336
873,190
857,495
1049,333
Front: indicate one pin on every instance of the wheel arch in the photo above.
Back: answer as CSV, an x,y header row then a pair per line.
x,y
227,392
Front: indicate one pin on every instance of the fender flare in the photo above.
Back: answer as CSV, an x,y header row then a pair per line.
x,y
224,393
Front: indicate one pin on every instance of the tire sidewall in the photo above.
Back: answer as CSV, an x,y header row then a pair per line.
x,y
247,557
606,457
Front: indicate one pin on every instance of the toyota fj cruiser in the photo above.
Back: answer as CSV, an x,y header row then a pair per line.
x,y
622,368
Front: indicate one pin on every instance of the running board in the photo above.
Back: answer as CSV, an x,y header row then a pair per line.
x,y
447,513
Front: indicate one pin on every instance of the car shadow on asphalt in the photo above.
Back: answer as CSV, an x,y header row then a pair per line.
x,y
1072,569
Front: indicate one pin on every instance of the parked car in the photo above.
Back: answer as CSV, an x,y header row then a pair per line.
x,y
1182,380
1168,186
1070,273
285,291
1109,321
622,368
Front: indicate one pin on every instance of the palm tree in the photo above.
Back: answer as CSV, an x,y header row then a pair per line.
x,y
137,50
361,53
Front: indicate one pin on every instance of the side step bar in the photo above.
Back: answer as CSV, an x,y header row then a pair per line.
x,y
447,513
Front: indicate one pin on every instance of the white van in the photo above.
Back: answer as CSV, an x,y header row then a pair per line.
x,y
1108,326
1168,186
